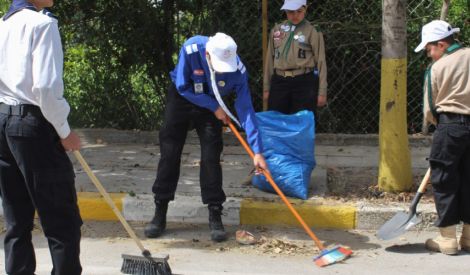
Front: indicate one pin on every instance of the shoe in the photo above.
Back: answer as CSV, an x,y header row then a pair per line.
x,y
157,225
218,233
446,243
465,239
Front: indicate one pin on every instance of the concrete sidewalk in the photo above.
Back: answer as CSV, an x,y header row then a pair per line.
x,y
125,162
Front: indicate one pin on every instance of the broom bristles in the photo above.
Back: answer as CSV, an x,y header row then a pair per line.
x,y
145,265
331,256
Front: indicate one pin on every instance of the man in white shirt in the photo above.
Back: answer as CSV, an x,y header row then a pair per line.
x,y
35,171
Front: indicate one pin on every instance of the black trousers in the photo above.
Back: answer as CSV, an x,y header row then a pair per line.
x,y
290,95
36,174
450,169
180,115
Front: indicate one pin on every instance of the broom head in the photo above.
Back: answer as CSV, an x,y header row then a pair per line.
x,y
145,265
331,256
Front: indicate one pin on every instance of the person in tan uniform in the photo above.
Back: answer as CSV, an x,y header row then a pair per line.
x,y
295,68
447,105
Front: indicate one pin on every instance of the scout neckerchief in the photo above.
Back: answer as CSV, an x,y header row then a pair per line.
x,y
18,5
219,99
427,75
292,28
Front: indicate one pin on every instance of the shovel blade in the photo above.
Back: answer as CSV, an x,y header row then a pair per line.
x,y
397,225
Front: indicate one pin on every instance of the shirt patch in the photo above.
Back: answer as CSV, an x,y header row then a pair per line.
x,y
299,37
198,88
198,72
278,36
191,49
287,28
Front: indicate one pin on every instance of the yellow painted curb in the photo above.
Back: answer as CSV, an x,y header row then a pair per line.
x,y
315,214
94,207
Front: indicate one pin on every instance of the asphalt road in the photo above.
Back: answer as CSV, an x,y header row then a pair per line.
x,y
279,251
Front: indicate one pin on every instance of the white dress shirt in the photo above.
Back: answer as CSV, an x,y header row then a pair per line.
x,y
31,66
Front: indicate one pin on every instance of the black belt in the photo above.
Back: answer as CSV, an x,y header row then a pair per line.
x,y
20,110
452,118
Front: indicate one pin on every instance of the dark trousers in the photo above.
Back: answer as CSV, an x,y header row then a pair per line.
x,y
36,174
450,170
180,115
290,95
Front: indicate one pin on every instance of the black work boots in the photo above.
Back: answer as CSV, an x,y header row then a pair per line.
x,y
218,233
157,226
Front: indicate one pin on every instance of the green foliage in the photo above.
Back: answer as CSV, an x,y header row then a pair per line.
x,y
4,4
118,54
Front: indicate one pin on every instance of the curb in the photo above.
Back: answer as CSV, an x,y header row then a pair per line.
x,y
114,136
318,213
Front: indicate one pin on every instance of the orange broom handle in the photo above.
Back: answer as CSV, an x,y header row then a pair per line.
x,y
278,191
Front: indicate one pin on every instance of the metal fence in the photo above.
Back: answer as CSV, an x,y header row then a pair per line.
x,y
352,31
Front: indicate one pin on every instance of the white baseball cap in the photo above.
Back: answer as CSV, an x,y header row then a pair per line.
x,y
435,31
293,5
223,52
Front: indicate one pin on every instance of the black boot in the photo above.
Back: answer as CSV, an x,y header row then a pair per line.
x,y
157,226
218,233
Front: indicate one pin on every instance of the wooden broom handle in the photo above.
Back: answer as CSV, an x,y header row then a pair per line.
x,y
278,191
108,199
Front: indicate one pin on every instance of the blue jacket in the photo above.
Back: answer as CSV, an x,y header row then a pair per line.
x,y
192,80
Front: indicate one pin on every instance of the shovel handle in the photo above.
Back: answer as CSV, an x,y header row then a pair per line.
x,y
278,191
108,199
421,190
425,181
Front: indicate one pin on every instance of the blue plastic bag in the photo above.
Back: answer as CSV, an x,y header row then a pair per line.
x,y
289,149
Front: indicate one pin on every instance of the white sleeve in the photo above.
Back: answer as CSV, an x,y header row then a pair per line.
x,y
47,70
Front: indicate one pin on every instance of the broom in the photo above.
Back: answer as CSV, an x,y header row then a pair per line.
x,y
142,265
327,256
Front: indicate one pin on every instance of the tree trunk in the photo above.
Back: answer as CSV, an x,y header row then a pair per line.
x,y
445,9
394,161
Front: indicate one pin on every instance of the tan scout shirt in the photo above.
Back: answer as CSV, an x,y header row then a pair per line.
x,y
307,50
450,84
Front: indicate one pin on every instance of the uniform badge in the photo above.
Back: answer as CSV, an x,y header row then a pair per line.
x,y
198,72
287,28
300,37
302,54
221,83
198,88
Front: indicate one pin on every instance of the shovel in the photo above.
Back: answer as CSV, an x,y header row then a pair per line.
x,y
402,221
